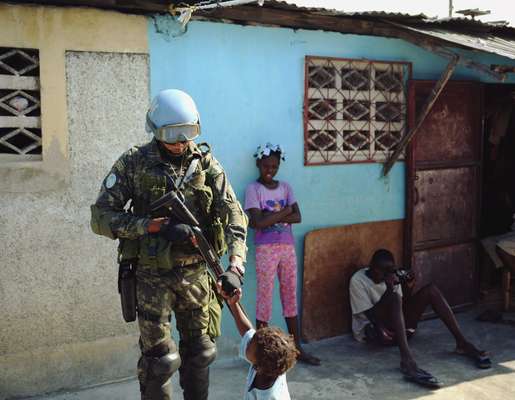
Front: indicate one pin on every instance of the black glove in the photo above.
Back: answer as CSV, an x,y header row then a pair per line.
x,y
230,281
176,233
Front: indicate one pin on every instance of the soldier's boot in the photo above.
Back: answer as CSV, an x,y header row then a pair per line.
x,y
197,354
155,369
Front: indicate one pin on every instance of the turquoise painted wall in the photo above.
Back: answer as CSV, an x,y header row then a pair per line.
x,y
248,83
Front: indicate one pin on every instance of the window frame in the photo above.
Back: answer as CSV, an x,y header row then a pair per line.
x,y
339,156
20,85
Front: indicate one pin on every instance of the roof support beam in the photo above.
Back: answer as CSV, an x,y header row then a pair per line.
x,y
430,101
446,53
267,16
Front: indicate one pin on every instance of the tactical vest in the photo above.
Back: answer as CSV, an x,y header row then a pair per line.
x,y
150,183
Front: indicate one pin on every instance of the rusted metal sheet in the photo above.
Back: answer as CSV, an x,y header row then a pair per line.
x,y
423,113
444,170
451,268
444,209
331,256
451,132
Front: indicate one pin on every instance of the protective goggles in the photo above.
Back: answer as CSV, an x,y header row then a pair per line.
x,y
174,133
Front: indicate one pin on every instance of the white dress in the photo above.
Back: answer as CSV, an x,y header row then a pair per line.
x,y
278,391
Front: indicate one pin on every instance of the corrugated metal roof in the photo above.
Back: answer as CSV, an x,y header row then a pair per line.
x,y
397,16
292,6
490,43
462,31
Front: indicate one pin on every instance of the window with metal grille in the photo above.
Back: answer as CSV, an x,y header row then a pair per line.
x,y
20,111
354,110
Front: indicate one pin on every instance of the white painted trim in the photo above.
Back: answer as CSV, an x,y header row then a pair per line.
x,y
20,122
19,82
7,158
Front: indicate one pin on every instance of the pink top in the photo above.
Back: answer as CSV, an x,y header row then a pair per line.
x,y
260,197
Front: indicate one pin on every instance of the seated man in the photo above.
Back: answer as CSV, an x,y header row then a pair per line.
x,y
386,312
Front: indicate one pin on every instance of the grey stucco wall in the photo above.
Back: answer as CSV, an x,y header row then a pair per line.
x,y
61,325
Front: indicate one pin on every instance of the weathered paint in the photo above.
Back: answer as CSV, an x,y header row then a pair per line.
x,y
61,324
53,31
446,170
248,83
58,286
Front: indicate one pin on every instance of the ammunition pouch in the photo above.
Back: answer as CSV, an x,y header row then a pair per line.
x,y
215,234
212,223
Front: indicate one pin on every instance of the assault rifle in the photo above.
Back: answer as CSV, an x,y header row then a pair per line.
x,y
173,201
176,206
126,273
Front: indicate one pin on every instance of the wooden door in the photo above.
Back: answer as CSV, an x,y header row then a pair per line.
x,y
443,180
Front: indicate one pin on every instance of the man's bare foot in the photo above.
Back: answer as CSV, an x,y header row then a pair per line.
x,y
409,366
480,357
468,349
417,375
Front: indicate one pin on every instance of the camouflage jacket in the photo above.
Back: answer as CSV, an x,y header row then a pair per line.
x,y
139,176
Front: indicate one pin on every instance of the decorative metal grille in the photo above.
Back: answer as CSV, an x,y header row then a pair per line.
x,y
354,110
20,106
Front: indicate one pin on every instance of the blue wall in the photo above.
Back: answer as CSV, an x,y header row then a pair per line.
x,y
248,83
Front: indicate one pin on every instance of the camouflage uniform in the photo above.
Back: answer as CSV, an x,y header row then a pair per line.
x,y
170,277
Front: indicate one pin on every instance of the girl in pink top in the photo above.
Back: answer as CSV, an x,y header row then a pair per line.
x,y
272,209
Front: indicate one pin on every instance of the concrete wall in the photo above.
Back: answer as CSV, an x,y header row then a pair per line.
x,y
248,83
53,31
61,325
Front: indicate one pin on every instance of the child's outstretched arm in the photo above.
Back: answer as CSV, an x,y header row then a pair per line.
x,y
242,322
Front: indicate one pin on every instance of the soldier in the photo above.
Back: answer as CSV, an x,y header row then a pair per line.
x,y
170,272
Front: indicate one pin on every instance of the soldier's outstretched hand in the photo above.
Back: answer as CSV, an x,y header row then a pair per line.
x,y
232,298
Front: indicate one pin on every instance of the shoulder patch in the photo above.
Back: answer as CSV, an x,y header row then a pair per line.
x,y
110,181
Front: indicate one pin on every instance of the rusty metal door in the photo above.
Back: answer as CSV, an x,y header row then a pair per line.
x,y
443,180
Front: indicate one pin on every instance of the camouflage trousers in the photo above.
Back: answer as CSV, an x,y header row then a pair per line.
x,y
188,292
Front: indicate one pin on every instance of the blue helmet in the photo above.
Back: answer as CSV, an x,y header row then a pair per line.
x,y
173,117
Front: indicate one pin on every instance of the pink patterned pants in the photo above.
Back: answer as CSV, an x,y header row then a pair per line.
x,y
272,259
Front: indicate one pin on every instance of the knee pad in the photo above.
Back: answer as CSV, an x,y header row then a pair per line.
x,y
162,360
166,365
201,351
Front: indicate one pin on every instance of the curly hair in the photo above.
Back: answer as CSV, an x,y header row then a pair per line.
x,y
276,351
